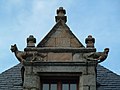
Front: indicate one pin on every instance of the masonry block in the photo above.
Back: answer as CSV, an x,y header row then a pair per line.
x,y
59,56
89,80
62,42
31,81
91,70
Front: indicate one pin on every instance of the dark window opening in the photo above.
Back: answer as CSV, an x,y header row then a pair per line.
x,y
59,83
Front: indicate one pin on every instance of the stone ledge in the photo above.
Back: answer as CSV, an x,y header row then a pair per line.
x,y
61,49
59,74
47,63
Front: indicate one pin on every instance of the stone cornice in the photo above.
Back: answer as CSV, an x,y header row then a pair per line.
x,y
72,63
60,49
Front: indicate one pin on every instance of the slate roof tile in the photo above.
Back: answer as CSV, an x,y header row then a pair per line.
x,y
11,79
107,79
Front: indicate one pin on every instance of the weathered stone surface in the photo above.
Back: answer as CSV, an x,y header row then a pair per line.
x,y
50,42
60,49
78,57
93,87
31,81
59,69
84,88
89,80
74,43
28,70
31,41
62,42
57,33
25,89
34,89
61,32
63,35
59,56
91,70
90,41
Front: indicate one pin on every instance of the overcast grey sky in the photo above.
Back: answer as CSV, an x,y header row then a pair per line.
x,y
21,18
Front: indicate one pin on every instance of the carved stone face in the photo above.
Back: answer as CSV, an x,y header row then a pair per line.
x,y
13,48
106,50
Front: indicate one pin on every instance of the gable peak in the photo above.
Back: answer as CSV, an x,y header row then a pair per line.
x,y
60,35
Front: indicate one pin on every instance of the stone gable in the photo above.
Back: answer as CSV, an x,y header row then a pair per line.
x,y
60,36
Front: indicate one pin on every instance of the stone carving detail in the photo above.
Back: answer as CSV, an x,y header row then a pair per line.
x,y
21,56
90,41
99,56
61,15
61,11
38,57
31,41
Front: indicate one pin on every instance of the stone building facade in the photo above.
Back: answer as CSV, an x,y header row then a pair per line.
x,y
59,61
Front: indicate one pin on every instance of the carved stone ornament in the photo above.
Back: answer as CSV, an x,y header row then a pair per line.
x,y
61,15
20,55
32,56
38,57
31,41
99,56
90,41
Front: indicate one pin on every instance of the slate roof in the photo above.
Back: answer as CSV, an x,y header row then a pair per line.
x,y
107,80
11,79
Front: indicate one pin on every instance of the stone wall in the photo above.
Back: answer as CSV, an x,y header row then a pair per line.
x,y
68,63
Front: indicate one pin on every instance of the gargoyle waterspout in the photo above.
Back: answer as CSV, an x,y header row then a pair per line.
x,y
20,55
100,56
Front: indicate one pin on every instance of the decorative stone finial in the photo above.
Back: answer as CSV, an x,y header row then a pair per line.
x,y
61,15
90,41
61,11
31,41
